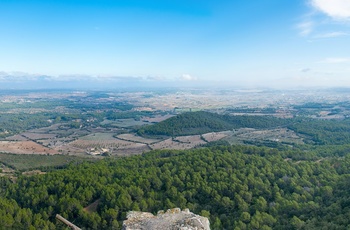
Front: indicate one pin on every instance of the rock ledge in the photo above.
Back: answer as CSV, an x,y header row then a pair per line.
x,y
172,219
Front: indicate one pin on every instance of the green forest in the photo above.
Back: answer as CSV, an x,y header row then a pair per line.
x,y
314,131
191,123
237,187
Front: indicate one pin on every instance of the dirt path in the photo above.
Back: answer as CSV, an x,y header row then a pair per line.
x,y
92,207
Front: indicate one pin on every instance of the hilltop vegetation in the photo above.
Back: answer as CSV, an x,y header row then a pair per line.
x,y
240,187
314,131
191,123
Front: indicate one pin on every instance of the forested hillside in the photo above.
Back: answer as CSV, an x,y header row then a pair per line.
x,y
323,132
313,131
191,123
237,187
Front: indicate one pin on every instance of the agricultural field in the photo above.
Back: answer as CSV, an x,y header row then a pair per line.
x,y
25,147
194,140
277,135
47,140
134,138
124,123
189,142
38,136
105,142
98,137
57,139
17,137
215,136
180,143
117,138
157,118
110,144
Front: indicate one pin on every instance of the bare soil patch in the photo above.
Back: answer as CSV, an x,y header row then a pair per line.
x,y
214,136
25,147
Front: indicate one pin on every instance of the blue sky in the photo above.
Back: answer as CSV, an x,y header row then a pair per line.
x,y
274,43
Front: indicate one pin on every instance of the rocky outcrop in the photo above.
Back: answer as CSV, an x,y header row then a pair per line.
x,y
172,219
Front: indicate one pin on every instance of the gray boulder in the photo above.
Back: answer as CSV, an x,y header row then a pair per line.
x,y
172,219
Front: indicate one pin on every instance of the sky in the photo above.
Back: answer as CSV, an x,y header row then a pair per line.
x,y
249,43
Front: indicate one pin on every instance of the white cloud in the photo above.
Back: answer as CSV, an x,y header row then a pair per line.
x,y
336,9
336,60
187,77
305,28
316,26
332,35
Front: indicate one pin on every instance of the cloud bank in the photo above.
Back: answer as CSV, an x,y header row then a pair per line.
x,y
336,9
27,80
